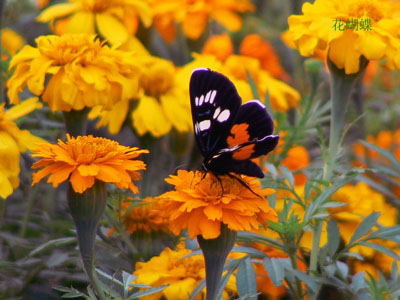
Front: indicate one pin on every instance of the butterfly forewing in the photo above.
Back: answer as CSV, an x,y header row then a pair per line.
x,y
215,104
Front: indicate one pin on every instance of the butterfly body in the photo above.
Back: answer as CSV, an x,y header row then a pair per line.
x,y
228,133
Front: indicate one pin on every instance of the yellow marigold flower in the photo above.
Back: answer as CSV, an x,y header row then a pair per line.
x,y
254,46
195,15
11,41
162,103
349,30
114,20
182,274
202,204
13,141
82,72
84,159
297,158
360,202
40,4
145,216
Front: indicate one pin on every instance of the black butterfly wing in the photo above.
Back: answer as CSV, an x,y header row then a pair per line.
x,y
215,103
249,137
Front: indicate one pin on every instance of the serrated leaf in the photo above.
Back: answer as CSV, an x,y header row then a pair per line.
x,y
383,152
111,278
332,204
127,279
275,270
333,237
246,278
382,249
248,250
73,294
147,292
63,289
364,227
358,282
321,216
271,168
352,254
342,268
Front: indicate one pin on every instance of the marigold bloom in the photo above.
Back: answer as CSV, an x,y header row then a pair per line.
x,y
82,72
326,24
114,20
84,159
202,204
297,158
162,104
145,216
254,46
219,45
182,274
195,15
11,41
13,141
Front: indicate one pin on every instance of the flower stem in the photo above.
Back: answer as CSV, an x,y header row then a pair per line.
x,y
76,122
341,88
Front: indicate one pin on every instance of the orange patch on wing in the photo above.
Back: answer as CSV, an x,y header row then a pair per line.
x,y
240,135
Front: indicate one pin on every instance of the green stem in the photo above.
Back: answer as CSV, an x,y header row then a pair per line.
x,y
341,88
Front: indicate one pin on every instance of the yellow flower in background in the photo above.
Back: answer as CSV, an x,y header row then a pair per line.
x,y
85,159
349,30
181,273
203,203
81,72
194,16
360,202
113,20
13,141
11,42
162,104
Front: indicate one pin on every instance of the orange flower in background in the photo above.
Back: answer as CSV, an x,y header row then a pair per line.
x,y
142,216
254,46
297,158
220,46
85,159
74,72
201,203
114,20
195,15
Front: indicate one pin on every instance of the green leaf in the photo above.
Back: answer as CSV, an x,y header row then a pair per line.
x,y
307,279
147,292
342,268
111,278
127,279
288,175
224,280
53,243
333,237
271,168
198,290
275,270
248,250
382,249
358,282
364,227
384,153
246,278
253,86
267,103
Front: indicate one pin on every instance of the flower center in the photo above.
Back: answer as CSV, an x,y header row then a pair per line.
x,y
86,149
158,77
366,8
65,49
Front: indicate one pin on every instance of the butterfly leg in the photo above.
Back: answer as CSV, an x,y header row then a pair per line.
x,y
240,180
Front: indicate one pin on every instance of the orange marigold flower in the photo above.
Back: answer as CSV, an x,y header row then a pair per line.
x,y
219,45
201,203
142,216
253,45
84,159
297,158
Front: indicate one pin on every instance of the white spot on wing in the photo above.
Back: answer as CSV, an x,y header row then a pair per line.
x,y
212,97
224,115
199,69
196,100
216,112
207,97
204,125
201,100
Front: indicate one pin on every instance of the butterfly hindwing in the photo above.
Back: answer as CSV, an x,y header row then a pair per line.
x,y
215,103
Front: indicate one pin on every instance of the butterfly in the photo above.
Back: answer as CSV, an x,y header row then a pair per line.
x,y
228,134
